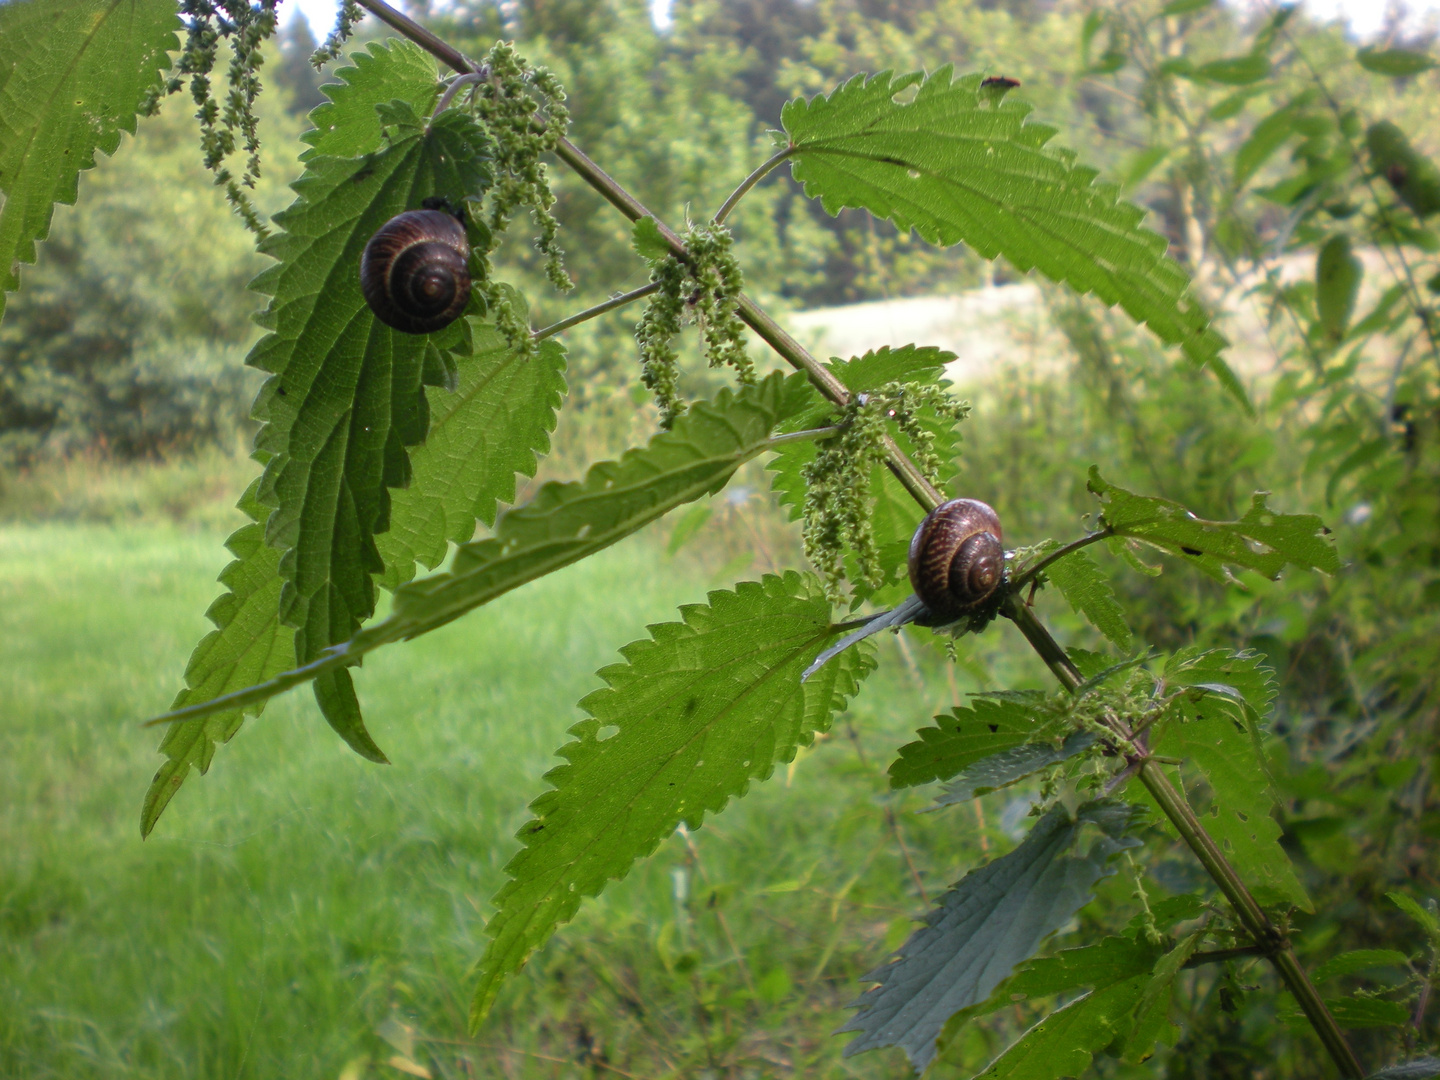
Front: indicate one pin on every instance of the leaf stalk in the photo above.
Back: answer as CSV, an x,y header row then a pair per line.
x,y
733,200
596,311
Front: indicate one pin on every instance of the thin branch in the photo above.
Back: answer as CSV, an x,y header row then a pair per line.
x,y
1029,575
598,310
749,182
456,85
1216,956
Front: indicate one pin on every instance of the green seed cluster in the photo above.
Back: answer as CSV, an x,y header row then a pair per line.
x,y
246,27
703,289
523,107
837,500
345,19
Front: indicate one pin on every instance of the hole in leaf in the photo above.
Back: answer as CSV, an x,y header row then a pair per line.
x,y
906,96
609,731
914,174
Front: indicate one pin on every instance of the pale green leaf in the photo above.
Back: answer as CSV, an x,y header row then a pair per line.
x,y
1215,739
1089,593
1235,70
348,125
956,170
1262,540
489,428
1064,1043
1268,136
648,241
698,710
1426,920
565,523
968,734
1337,282
1413,176
72,76
994,918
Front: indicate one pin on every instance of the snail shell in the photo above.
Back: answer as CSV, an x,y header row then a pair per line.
x,y
415,272
957,560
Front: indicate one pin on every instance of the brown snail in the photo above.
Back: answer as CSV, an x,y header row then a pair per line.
x,y
957,560
415,272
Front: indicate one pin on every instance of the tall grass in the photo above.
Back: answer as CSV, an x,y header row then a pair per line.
x,y
302,913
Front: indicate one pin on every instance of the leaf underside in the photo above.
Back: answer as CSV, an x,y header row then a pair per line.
x,y
959,167
72,76
1088,593
697,711
994,918
1013,765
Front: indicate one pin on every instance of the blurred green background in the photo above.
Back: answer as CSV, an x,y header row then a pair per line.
x,y
301,913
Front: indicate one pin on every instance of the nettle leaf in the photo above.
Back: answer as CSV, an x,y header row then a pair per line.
x,y
894,516
1152,1014
1214,734
698,710
247,646
72,76
345,398
1064,1043
969,733
1337,282
1419,1069
994,918
348,125
957,169
565,523
1241,675
1262,540
1349,963
1011,766
1396,63
492,426
1088,592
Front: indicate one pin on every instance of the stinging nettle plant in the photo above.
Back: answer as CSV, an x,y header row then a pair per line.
x,y
380,446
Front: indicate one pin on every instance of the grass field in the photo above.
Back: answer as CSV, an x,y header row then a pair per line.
x,y
302,913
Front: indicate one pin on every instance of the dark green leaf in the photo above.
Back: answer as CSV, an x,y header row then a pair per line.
x,y
1235,70
1152,1015
348,125
1216,670
994,918
1337,283
1262,540
1009,766
345,398
1394,62
697,711
1088,592
1348,963
1412,175
565,523
1357,1013
491,427
955,170
247,646
72,76
1427,920
1166,913
968,734
1107,961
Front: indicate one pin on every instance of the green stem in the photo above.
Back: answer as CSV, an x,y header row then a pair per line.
x,y
1022,579
749,182
596,311
804,436
1267,936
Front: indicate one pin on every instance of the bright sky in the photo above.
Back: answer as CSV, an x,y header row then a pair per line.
x,y
1364,16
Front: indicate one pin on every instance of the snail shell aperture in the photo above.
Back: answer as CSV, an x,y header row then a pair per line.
x,y
957,560
415,272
